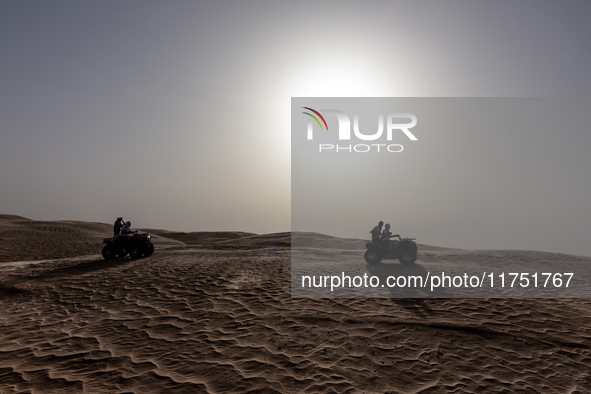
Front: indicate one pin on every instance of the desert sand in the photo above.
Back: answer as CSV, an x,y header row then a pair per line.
x,y
212,313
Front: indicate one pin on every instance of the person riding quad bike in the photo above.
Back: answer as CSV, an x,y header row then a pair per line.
x,y
385,239
117,226
123,237
128,241
376,232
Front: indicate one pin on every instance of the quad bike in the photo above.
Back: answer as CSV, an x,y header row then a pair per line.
x,y
137,245
405,250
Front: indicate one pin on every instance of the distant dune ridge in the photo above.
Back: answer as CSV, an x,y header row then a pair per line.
x,y
25,239
211,312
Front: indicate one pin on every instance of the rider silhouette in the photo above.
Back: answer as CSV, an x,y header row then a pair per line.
x,y
386,235
376,232
117,226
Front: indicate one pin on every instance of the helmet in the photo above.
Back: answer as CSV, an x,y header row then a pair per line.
x,y
128,223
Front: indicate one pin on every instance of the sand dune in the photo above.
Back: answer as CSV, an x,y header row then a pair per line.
x,y
199,237
26,239
200,319
227,239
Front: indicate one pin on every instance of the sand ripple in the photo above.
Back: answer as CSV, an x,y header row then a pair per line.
x,y
203,320
223,321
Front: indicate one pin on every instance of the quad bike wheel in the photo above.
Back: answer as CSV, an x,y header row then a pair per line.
x,y
407,257
149,250
109,253
134,251
372,256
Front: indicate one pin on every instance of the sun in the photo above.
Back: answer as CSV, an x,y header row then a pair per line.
x,y
342,80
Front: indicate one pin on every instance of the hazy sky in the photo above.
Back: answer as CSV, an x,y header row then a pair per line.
x,y
177,114
484,173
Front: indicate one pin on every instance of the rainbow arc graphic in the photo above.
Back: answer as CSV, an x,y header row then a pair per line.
x,y
315,118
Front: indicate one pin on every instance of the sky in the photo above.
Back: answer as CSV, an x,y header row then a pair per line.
x,y
177,114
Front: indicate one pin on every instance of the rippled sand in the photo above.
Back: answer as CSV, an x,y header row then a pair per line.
x,y
217,317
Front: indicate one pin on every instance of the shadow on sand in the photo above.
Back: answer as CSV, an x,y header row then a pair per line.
x,y
9,290
408,286
79,269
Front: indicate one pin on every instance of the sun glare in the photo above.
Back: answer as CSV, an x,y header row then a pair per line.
x,y
348,80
